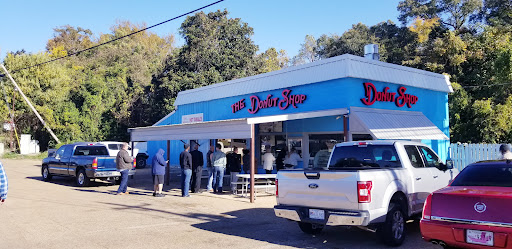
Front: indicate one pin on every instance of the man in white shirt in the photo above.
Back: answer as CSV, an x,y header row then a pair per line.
x,y
268,160
291,160
505,152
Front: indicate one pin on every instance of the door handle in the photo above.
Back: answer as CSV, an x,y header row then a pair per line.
x,y
436,176
418,178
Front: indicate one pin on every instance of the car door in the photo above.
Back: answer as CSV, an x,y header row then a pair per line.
x,y
422,179
66,157
54,166
432,161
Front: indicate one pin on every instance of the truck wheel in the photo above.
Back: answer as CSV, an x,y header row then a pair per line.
x,y
310,228
392,232
45,172
117,181
81,179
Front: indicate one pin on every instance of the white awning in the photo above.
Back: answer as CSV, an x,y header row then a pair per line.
x,y
389,124
233,128
293,116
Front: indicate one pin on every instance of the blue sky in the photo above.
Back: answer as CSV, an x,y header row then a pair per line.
x,y
282,24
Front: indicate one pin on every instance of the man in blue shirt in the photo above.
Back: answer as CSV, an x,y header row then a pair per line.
x,y
3,184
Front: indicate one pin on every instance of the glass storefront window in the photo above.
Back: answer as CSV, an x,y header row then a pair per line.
x,y
320,147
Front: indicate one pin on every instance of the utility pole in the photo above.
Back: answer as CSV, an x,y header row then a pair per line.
x,y
30,104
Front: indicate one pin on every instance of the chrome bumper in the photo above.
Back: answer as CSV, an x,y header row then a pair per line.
x,y
333,217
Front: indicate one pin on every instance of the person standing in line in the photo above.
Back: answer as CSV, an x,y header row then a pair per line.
x,y
158,171
4,185
268,160
281,156
209,166
186,170
197,168
219,165
505,152
246,161
124,164
292,159
234,163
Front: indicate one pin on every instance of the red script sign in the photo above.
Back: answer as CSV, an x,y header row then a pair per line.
x,y
257,104
400,99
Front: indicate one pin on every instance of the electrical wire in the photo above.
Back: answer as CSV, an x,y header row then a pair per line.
x,y
113,40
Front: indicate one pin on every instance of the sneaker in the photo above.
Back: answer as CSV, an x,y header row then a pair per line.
x,y
154,193
185,196
159,195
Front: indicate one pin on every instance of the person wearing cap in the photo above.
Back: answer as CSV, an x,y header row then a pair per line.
x,y
186,170
505,152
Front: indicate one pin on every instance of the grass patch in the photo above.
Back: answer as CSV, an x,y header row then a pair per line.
x,y
12,155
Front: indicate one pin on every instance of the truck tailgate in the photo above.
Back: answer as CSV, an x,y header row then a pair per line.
x,y
318,188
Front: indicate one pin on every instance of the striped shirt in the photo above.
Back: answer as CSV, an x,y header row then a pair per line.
x,y
3,183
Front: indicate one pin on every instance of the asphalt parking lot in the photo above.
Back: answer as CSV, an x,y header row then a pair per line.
x,y
57,214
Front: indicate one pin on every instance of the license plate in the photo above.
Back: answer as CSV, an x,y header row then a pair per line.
x,y
480,237
316,214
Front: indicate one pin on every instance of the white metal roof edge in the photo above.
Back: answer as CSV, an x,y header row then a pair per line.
x,y
164,118
293,116
177,125
214,92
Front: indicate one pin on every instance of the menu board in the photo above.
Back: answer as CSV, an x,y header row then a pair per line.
x,y
271,127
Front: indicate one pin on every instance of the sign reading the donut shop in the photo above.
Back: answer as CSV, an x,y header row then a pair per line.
x,y
400,98
286,100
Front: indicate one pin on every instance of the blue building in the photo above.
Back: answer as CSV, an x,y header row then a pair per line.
x,y
344,98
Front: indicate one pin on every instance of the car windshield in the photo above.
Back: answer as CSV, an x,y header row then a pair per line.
x,y
364,156
497,175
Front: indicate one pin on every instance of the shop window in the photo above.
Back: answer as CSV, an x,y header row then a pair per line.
x,y
320,147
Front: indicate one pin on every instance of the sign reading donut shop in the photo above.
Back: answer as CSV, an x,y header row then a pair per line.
x,y
400,98
282,102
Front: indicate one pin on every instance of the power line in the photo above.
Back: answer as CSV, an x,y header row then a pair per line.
x,y
113,40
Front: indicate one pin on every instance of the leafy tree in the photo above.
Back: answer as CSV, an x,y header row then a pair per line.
x,y
272,60
308,51
71,39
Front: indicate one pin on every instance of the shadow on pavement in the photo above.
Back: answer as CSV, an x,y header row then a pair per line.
x,y
70,181
261,224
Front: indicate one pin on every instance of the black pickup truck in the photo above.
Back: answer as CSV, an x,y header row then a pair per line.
x,y
84,161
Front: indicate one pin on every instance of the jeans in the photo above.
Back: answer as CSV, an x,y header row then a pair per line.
x,y
210,179
186,174
218,178
124,181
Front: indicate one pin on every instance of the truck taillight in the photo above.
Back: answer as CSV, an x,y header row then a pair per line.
x,y
364,191
95,163
427,208
134,163
277,188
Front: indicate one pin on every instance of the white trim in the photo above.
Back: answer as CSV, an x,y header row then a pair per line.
x,y
293,116
164,118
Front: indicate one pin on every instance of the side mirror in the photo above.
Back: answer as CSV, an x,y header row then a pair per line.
x,y
449,164
51,152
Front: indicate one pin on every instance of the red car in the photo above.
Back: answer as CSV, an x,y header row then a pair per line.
x,y
474,211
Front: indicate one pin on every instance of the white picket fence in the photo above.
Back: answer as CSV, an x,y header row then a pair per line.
x,y
464,154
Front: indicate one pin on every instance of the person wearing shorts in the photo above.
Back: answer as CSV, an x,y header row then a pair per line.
x,y
158,171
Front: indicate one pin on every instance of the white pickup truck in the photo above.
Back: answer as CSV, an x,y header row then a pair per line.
x,y
373,184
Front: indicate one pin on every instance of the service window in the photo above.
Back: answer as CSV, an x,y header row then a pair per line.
x,y
431,159
414,156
